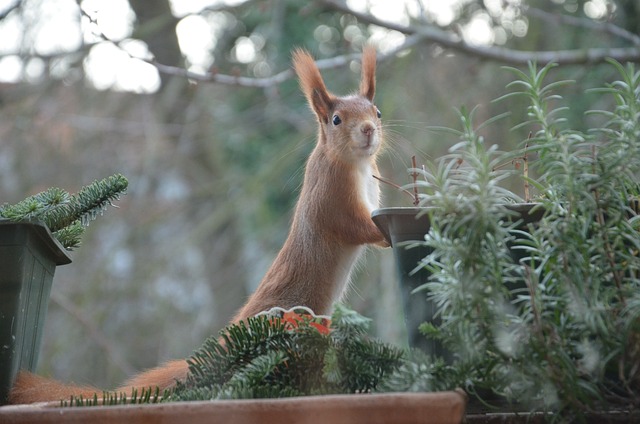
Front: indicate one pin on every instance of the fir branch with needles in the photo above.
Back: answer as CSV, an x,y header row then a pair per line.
x,y
263,358
67,215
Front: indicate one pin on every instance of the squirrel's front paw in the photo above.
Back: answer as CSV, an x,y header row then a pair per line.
x,y
383,243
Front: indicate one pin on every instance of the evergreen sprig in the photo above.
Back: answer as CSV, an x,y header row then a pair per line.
x,y
67,215
264,358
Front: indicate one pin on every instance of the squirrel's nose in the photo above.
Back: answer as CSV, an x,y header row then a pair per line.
x,y
367,129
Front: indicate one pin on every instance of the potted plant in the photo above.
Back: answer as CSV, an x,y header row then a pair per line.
x,y
547,318
35,237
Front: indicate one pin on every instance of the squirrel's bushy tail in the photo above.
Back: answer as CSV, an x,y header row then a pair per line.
x,y
30,388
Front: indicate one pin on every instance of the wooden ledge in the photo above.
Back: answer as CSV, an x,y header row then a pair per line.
x,y
396,408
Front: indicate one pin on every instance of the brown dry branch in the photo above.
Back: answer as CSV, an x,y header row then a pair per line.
x,y
415,195
604,27
525,171
287,74
500,54
617,277
236,79
394,185
520,161
414,175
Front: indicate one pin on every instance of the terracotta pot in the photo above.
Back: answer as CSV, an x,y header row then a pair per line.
x,y
397,408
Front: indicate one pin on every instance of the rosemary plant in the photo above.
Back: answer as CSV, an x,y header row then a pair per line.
x,y
555,325
65,214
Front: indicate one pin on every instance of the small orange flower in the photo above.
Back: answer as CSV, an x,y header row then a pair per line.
x,y
322,328
292,321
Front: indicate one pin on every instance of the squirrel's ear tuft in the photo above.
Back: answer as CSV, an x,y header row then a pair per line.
x,y
368,81
312,85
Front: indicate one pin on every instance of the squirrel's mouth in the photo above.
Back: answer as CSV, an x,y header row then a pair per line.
x,y
367,147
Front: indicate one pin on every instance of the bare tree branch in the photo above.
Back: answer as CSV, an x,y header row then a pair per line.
x,y
10,9
418,34
605,27
501,54
332,63
223,7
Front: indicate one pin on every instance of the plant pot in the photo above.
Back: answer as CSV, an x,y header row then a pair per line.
x,y
405,226
29,255
398,408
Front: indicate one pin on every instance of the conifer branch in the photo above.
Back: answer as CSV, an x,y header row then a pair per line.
x,y
64,214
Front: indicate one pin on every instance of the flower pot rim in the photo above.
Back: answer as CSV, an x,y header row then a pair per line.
x,y
408,210
59,254
408,408
388,219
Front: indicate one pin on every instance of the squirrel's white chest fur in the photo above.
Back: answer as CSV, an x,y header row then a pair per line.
x,y
368,188
369,193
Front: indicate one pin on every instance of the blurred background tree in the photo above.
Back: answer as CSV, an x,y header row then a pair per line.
x,y
195,103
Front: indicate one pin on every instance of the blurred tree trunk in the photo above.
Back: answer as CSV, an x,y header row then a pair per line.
x,y
630,16
156,26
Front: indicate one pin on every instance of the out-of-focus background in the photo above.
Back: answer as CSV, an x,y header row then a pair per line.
x,y
215,158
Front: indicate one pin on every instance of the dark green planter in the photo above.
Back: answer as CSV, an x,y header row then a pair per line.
x,y
401,227
29,255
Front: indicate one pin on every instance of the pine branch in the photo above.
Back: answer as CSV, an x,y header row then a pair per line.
x,y
264,357
85,206
66,215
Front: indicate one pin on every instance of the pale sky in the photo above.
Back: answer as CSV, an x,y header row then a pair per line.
x,y
110,67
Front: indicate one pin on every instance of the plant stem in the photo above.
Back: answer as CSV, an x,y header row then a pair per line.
x,y
617,278
394,185
416,198
525,171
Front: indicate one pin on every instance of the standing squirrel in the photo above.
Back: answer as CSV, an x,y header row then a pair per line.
x,y
331,224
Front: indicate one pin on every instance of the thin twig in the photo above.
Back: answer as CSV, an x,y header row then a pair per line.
x,y
532,294
394,185
8,10
525,171
606,27
414,175
617,278
252,82
500,54
279,78
525,168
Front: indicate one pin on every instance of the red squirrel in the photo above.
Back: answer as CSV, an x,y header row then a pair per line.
x,y
331,223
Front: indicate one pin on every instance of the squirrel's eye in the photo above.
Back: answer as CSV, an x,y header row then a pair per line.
x,y
336,120
378,113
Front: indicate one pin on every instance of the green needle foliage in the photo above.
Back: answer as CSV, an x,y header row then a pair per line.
x,y
67,215
264,358
547,316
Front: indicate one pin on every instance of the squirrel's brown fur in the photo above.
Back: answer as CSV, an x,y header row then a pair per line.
x,y
331,223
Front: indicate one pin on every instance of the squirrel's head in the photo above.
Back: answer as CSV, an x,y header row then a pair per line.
x,y
349,125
